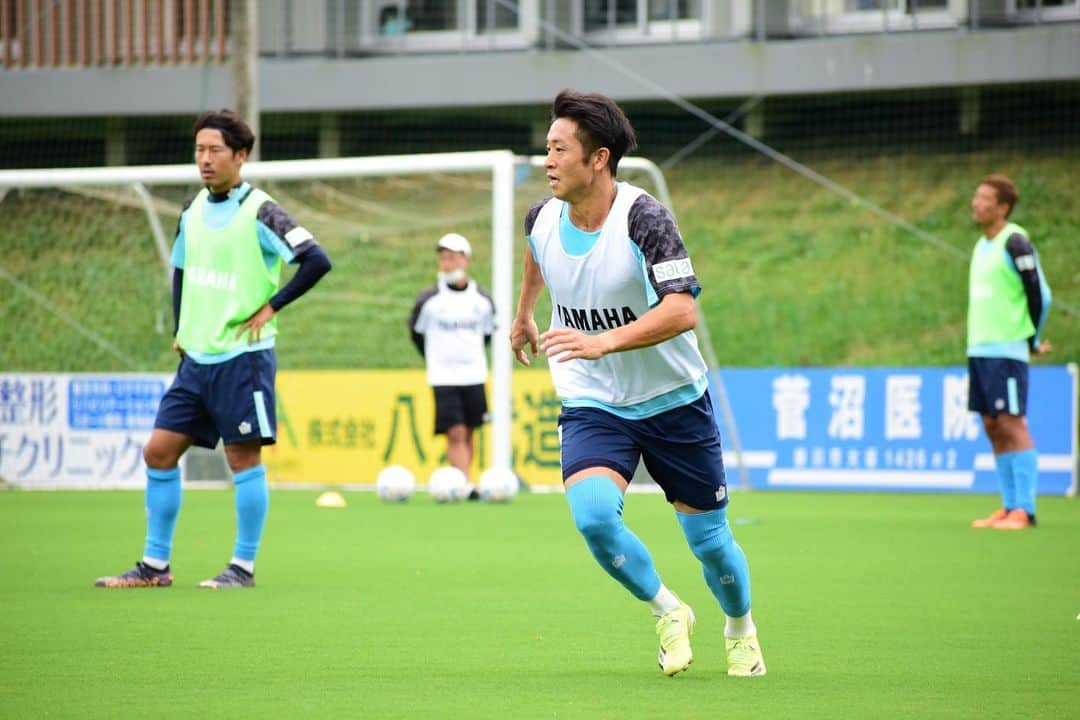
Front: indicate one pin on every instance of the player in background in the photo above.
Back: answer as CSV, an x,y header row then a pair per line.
x,y
451,325
625,363
230,242
1008,300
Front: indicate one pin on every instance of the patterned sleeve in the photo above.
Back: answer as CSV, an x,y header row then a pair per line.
x,y
530,217
178,242
653,229
1026,262
280,234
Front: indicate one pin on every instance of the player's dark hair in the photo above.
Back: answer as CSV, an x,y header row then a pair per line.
x,y
1006,192
600,123
234,130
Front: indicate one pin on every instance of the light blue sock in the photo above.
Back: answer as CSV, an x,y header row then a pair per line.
x,y
252,504
596,504
162,507
1006,480
1025,472
722,560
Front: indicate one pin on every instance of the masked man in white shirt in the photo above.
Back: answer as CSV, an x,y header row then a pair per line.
x,y
451,325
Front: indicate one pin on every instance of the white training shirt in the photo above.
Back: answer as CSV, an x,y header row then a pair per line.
x,y
602,280
454,324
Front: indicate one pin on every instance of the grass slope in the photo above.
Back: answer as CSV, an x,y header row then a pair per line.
x,y
884,606
793,274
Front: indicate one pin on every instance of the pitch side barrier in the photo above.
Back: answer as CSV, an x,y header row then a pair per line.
x,y
893,429
904,429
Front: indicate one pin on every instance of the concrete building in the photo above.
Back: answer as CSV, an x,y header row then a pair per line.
x,y
122,65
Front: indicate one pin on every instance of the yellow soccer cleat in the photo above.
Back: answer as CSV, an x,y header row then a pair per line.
x,y
744,656
674,630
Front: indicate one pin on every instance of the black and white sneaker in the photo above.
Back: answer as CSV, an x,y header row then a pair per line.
x,y
141,575
232,576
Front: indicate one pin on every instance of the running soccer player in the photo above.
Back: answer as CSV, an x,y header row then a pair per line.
x,y
1008,300
451,325
625,363
230,242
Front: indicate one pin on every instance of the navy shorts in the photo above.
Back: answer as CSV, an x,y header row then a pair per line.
x,y
680,448
459,405
232,401
997,385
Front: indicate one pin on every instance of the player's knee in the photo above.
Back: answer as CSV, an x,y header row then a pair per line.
x,y
709,538
243,456
158,458
596,523
596,505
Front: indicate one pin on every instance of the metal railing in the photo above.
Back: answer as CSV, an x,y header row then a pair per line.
x,y
107,33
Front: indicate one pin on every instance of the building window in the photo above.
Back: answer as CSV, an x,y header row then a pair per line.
x,y
1040,10
447,25
493,15
674,9
431,15
909,6
642,20
864,16
609,14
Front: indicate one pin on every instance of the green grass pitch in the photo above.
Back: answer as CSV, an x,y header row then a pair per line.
x,y
868,606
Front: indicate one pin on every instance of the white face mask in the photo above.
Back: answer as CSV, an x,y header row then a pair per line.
x,y
454,277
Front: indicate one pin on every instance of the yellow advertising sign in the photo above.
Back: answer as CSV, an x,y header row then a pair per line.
x,y
344,426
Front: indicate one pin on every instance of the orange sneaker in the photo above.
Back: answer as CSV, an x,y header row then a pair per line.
x,y
988,521
1016,520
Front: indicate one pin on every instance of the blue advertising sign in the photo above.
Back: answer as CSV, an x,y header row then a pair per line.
x,y
905,429
60,430
113,403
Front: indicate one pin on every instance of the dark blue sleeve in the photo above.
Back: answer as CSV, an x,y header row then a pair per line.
x,y
178,241
314,263
177,289
418,337
1023,257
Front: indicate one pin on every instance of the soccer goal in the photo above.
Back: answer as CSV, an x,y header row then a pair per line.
x,y
84,209
88,273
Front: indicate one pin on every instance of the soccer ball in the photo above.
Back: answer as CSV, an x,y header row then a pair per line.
x,y
395,484
498,484
448,484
